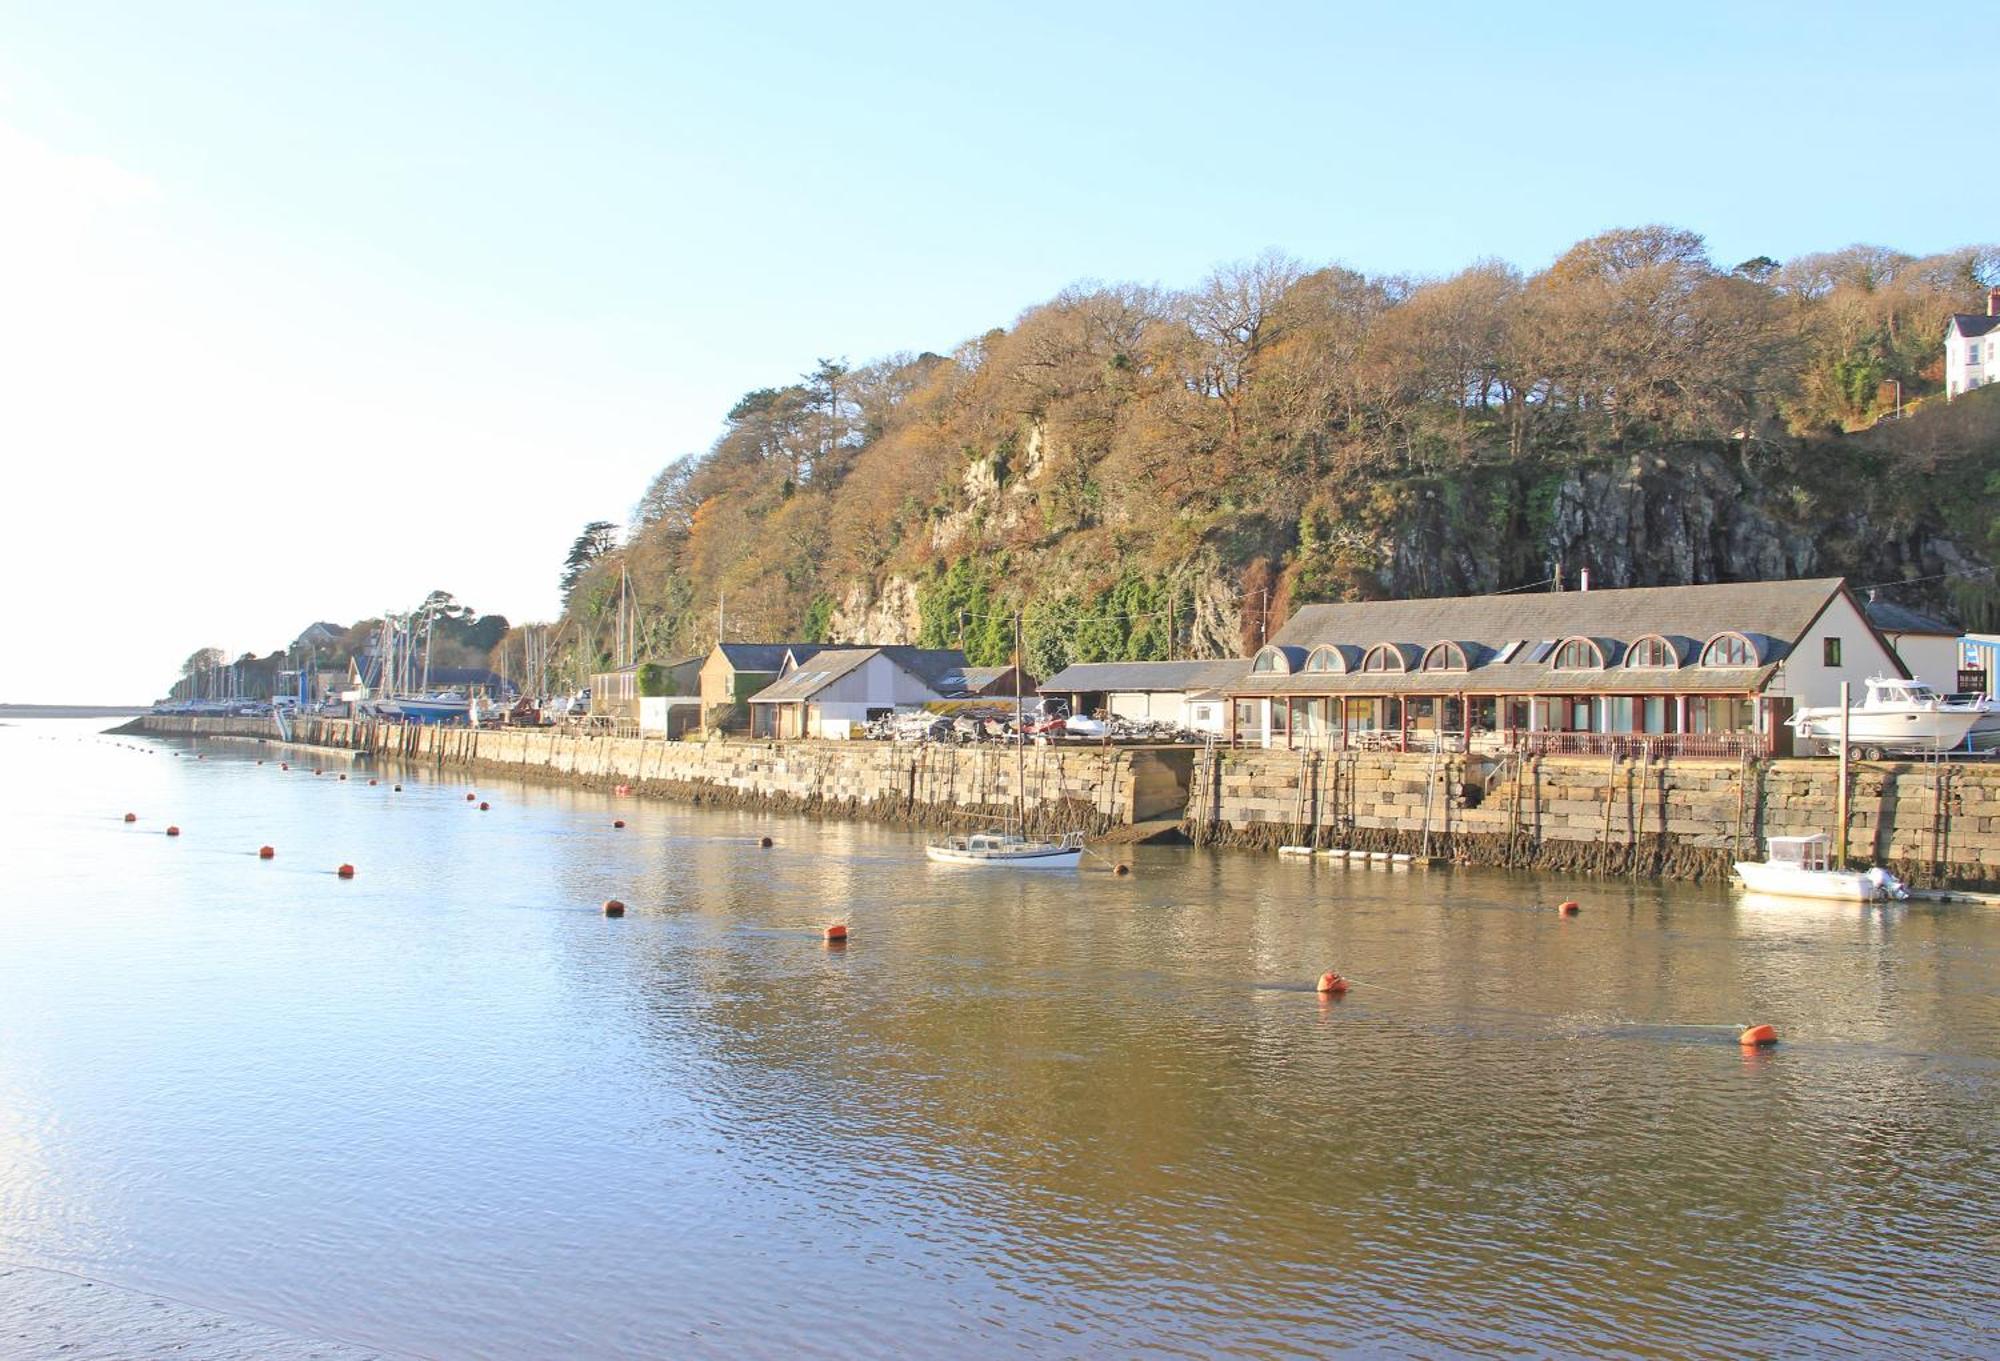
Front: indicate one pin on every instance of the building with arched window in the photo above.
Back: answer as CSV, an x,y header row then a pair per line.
x,y
1690,670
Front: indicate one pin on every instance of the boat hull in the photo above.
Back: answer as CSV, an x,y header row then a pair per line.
x,y
1914,730
1052,858
1789,881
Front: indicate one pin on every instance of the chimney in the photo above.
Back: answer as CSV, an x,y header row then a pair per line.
x,y
1993,302
1583,579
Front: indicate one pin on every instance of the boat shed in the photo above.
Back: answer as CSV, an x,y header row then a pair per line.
x,y
1192,694
837,690
1688,670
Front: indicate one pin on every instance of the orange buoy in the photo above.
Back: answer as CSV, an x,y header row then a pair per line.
x,y
483,805
1570,908
131,817
345,871
766,842
837,932
1121,869
1331,982
613,908
618,822
1758,1036
173,831
265,852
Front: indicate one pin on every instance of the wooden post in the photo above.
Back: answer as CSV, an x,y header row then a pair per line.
x,y
1840,795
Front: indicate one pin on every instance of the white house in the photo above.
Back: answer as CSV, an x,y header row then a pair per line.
x,y
1972,348
1191,694
837,690
1927,647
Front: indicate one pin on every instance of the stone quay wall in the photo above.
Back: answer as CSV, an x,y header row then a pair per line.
x,y
1932,823
1097,789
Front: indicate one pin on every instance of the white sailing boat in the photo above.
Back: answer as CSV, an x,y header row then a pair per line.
x,y
1898,715
1802,867
1012,850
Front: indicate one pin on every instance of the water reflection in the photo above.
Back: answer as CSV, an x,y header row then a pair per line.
x,y
449,1108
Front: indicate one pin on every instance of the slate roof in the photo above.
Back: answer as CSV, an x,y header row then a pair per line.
x,y
1971,325
942,669
1524,627
766,656
1890,617
1138,677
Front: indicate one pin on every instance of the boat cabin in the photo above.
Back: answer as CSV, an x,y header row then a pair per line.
x,y
1814,852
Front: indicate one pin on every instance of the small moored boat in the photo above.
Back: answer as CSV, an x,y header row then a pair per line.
x,y
1004,848
1802,867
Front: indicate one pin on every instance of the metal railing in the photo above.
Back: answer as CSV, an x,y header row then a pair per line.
x,y
1722,746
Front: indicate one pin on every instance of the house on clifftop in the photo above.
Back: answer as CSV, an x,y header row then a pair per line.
x,y
1972,348
1671,670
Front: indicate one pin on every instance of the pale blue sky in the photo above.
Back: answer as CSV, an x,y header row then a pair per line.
x,y
458,277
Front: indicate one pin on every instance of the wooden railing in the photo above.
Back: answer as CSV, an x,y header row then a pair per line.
x,y
1721,746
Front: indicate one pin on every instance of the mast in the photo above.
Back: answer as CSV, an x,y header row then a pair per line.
x,y
1020,737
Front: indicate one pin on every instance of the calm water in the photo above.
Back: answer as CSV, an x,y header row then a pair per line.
x,y
446,1109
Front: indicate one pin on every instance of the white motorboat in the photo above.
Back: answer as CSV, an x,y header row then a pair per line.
x,y
1004,848
1899,715
1801,867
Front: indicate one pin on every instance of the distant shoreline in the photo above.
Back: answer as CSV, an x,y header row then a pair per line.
x,y
72,710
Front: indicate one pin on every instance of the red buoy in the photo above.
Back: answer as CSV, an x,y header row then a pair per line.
x,y
343,777
284,765
837,932
1758,1036
1121,869
765,842
373,783
1331,982
613,908
1569,909
618,822
173,831
483,805
345,871
470,797
131,817
265,852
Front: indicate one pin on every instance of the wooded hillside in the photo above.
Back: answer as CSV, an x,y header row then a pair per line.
x,y
1144,471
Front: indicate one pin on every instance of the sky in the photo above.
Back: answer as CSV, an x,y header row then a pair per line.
x,y
309,309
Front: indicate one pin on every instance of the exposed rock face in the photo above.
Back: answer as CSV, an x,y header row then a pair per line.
x,y
878,619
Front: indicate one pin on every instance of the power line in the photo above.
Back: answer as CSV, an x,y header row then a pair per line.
x,y
1940,576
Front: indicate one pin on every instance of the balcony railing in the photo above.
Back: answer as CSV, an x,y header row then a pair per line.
x,y
1721,746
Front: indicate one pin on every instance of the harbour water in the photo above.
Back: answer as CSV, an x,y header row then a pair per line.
x,y
447,1109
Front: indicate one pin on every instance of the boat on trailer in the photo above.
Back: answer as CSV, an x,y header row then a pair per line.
x,y
1802,867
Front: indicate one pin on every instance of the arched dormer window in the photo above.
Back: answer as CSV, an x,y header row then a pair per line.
x,y
1383,657
1326,657
1652,653
1577,654
1270,660
1729,649
1444,657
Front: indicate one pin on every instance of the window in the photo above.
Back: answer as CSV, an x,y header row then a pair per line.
x,y
1507,652
1729,649
1270,659
1325,657
1829,651
1382,657
1445,657
1578,654
1653,651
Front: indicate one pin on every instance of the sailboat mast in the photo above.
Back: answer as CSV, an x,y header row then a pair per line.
x,y
1020,737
